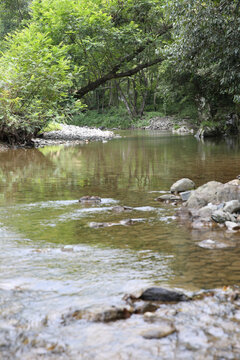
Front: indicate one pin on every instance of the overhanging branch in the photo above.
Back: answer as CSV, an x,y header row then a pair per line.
x,y
114,74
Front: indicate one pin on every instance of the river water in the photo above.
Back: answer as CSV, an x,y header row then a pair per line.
x,y
52,262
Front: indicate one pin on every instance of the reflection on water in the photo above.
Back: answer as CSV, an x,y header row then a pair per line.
x,y
51,259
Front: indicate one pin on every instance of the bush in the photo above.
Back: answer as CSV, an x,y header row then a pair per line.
x,y
34,78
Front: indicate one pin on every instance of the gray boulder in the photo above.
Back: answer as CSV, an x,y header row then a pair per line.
x,y
182,185
221,217
228,192
232,206
232,225
207,193
185,195
207,211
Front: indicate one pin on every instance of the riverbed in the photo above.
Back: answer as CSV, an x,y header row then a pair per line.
x,y
52,262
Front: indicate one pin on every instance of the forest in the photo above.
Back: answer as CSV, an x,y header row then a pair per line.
x,y
116,62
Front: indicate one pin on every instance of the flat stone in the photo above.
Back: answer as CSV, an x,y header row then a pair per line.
x,y
182,185
163,295
185,195
232,206
164,329
168,197
212,244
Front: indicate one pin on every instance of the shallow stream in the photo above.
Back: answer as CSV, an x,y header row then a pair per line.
x,y
52,262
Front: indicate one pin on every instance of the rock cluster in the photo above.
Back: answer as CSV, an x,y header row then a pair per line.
x,y
216,202
72,132
211,203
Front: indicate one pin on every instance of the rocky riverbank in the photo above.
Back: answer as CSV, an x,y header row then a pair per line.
x,y
213,205
73,134
169,123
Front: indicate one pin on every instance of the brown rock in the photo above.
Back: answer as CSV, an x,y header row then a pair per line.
x,y
100,314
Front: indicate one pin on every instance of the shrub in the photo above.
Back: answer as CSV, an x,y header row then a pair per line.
x,y
34,78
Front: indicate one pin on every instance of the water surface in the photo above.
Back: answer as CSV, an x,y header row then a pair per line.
x,y
51,260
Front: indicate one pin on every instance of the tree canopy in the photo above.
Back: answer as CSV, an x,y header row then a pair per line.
x,y
60,55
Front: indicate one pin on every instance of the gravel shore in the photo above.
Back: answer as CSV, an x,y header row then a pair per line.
x,y
73,134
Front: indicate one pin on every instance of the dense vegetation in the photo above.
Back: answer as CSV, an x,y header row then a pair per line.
x,y
68,59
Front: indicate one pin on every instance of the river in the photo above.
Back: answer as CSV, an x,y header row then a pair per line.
x,y
52,262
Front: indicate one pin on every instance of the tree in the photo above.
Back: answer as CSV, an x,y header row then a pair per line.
x,y
73,47
34,79
206,43
107,39
12,14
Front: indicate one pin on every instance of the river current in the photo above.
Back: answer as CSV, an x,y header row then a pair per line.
x,y
52,261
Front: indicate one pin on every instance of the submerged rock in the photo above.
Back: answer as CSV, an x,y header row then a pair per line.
x,y
125,222
168,197
213,244
101,313
90,199
182,185
120,209
97,225
163,295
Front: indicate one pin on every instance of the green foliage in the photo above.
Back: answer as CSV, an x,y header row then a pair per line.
x,y
13,13
115,117
206,43
98,34
33,79
68,44
51,126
